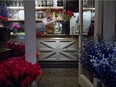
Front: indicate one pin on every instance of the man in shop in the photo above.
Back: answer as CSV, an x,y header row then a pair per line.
x,y
48,22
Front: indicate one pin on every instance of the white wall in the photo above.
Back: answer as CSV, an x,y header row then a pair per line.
x,y
109,19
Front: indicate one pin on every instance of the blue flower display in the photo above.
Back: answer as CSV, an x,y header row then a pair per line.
x,y
99,58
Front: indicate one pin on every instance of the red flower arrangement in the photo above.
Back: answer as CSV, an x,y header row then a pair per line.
x,y
16,72
66,14
3,19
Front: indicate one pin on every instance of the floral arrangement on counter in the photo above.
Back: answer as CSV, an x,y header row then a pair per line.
x,y
63,14
16,72
99,58
67,15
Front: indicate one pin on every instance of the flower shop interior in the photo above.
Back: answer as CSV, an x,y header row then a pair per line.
x,y
77,50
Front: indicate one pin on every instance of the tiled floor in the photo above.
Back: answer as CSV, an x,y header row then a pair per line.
x,y
59,77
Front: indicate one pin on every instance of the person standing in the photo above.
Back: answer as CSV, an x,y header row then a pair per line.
x,y
48,22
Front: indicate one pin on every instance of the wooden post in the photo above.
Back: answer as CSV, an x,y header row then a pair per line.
x,y
80,32
30,30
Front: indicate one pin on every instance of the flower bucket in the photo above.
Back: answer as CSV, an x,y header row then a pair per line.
x,y
34,84
1,25
66,27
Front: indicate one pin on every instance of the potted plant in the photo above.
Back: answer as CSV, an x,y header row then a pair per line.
x,y
16,26
66,16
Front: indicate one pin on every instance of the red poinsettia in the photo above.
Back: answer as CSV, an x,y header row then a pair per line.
x,y
16,72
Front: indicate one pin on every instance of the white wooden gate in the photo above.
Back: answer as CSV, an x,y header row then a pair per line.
x,y
57,49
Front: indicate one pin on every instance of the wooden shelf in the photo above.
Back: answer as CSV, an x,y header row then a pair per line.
x,y
44,8
41,20
37,8
21,8
88,9
11,20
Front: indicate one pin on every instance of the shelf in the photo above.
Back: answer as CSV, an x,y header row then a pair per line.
x,y
88,9
37,8
17,8
12,20
44,8
41,20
